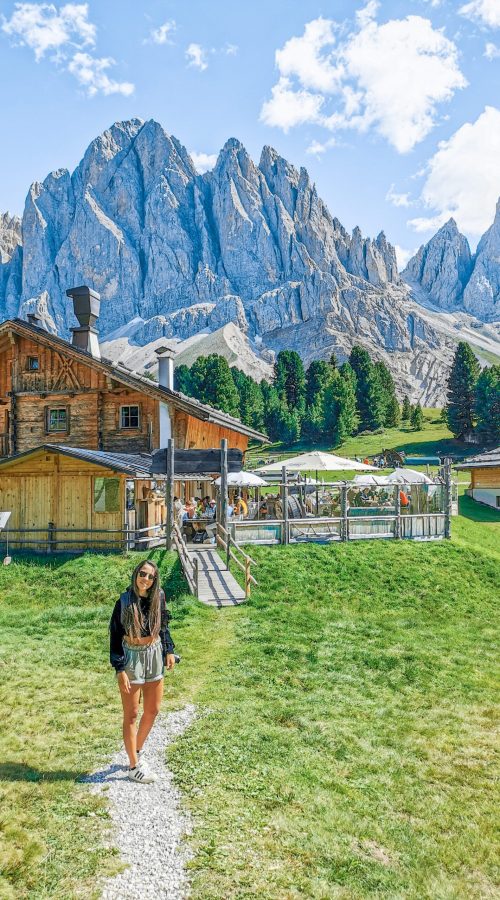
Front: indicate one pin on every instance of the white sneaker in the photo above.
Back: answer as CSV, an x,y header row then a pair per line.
x,y
142,775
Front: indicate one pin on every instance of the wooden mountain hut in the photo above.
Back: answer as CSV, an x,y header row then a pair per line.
x,y
66,410
484,477
68,498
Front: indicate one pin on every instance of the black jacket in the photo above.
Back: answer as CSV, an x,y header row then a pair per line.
x,y
117,631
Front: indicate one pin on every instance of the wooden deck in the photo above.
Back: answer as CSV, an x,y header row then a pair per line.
x,y
216,585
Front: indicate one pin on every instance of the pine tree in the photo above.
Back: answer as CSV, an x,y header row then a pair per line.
x,y
251,400
318,375
417,417
391,405
406,411
182,380
487,403
290,380
340,413
272,406
392,413
461,390
212,384
370,394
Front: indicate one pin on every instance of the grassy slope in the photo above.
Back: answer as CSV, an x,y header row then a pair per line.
x,y
433,438
346,745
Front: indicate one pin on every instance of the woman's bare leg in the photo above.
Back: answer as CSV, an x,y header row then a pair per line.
x,y
152,694
130,704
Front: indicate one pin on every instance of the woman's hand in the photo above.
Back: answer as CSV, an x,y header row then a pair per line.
x,y
170,661
123,682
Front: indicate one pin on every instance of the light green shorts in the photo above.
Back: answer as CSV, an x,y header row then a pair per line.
x,y
143,663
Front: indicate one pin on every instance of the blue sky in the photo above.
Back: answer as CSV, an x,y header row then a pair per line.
x,y
392,106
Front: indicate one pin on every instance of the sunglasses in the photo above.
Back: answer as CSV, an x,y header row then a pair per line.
x,y
147,575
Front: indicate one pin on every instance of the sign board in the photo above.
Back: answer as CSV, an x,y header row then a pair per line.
x,y
4,518
197,462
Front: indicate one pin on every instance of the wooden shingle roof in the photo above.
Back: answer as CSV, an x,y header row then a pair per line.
x,y
490,459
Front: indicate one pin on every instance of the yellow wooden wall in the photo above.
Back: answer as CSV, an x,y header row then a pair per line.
x,y
50,487
489,477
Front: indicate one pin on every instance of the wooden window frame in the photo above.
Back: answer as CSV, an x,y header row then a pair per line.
x,y
130,406
30,368
48,429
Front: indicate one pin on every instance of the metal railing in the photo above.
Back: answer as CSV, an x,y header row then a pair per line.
x,y
227,543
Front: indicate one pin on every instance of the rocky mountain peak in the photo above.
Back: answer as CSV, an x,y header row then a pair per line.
x,y
10,235
442,267
482,293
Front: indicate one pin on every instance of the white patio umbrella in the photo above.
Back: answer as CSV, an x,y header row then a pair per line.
x,y
408,476
242,479
370,479
317,461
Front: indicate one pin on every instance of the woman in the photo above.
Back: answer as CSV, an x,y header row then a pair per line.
x,y
140,646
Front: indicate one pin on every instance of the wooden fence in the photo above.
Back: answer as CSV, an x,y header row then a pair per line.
x,y
76,540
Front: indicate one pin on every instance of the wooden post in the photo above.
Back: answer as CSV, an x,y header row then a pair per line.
x,y
195,574
447,496
51,543
344,509
170,493
285,536
247,577
397,511
223,484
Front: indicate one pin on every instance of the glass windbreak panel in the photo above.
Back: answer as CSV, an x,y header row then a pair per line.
x,y
325,501
58,419
371,500
129,417
107,495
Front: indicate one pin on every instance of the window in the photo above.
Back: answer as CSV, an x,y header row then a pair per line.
x,y
57,419
498,500
106,495
129,417
33,364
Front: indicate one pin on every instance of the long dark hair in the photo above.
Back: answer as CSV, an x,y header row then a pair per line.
x,y
133,620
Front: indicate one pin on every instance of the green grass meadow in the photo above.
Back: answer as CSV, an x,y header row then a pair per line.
x,y
346,740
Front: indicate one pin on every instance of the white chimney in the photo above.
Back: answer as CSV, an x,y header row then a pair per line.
x,y
166,379
165,367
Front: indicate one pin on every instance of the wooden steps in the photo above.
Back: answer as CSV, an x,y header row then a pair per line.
x,y
216,585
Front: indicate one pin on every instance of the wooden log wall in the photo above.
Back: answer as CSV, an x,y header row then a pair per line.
x,y
93,400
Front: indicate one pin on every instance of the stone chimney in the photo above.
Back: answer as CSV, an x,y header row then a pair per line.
x,y
86,305
166,379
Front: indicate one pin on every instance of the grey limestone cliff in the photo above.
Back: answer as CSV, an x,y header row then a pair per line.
x,y
181,253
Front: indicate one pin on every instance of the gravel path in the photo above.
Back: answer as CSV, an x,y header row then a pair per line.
x,y
149,824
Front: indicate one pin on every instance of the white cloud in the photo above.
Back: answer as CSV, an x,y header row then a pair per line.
x,y
317,148
64,32
486,12
491,51
163,34
197,57
369,12
304,57
403,257
90,73
288,107
203,162
231,49
397,199
389,78
463,177
42,27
